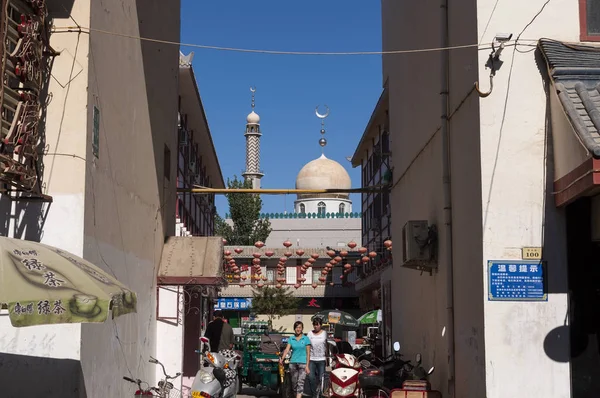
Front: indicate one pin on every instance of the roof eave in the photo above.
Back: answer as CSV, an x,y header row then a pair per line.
x,y
358,153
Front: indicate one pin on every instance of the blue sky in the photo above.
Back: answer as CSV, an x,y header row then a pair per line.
x,y
289,87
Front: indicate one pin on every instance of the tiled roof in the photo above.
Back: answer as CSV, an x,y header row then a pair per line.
x,y
575,70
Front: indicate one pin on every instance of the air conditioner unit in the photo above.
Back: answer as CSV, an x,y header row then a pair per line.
x,y
416,248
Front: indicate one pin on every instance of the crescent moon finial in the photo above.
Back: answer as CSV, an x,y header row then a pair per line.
x,y
322,116
252,90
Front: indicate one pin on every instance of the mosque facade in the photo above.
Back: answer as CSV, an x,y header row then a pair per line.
x,y
322,226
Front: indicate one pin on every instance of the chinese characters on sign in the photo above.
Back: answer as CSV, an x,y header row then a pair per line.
x,y
516,281
44,307
233,304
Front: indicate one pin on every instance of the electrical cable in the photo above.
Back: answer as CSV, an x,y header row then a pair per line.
x,y
81,29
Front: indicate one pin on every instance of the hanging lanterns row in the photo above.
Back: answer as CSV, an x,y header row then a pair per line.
x,y
336,258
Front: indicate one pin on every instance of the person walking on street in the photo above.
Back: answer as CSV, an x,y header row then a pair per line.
x,y
219,333
299,344
318,357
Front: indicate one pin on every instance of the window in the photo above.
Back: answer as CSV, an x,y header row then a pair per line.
x,y
589,20
291,275
302,208
321,209
167,163
342,208
96,132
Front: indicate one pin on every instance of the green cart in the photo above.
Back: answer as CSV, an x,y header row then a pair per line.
x,y
260,365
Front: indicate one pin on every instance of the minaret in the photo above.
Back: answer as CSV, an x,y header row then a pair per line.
x,y
252,135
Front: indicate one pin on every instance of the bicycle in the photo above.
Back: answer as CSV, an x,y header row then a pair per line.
x,y
165,387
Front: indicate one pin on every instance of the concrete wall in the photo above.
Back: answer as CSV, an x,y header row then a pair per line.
x,y
132,208
518,207
501,194
419,319
28,353
314,232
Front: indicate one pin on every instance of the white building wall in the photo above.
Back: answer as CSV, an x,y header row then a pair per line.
x,y
331,205
314,232
517,211
169,341
500,347
34,350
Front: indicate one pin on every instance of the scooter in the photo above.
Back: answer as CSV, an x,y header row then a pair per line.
x,y
219,379
344,378
417,380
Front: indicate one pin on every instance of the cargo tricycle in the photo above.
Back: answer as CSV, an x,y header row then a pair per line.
x,y
260,365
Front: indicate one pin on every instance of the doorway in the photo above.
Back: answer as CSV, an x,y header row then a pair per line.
x,y
583,257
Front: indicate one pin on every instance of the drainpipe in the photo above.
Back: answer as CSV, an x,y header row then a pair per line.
x,y
447,193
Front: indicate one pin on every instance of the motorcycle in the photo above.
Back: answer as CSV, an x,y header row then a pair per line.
x,y
217,376
347,379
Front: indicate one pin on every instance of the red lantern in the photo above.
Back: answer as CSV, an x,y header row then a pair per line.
x,y
322,279
299,252
228,258
224,241
264,278
227,252
331,253
243,277
288,254
314,255
362,250
256,261
269,253
357,261
387,243
330,283
314,285
347,266
352,244
373,254
297,285
256,255
238,250
311,260
365,259
338,259
260,284
344,253
259,244
287,243
278,286
242,284
282,259
341,276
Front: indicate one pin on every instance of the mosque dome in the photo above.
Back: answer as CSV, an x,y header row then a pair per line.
x,y
253,118
323,173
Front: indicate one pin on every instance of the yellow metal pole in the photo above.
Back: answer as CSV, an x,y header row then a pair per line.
x,y
269,191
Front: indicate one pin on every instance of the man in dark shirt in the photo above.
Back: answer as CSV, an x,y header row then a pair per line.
x,y
219,333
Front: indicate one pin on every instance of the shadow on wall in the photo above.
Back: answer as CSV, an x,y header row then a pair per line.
x,y
23,219
59,8
53,377
161,61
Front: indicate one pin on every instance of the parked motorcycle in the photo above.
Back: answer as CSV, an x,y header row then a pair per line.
x,y
347,379
217,376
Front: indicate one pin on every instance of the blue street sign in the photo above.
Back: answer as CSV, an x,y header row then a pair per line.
x,y
233,303
511,280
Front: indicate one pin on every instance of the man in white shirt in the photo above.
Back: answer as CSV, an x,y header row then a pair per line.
x,y
318,358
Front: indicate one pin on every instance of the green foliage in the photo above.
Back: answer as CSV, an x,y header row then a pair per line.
x,y
244,210
273,302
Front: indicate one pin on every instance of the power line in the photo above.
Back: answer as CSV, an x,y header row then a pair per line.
x,y
81,29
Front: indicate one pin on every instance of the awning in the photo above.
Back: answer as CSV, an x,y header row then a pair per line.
x,y
574,71
191,260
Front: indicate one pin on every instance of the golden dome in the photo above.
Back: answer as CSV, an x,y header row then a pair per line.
x,y
323,173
